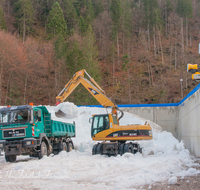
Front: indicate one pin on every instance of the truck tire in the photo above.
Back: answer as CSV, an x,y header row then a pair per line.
x,y
64,146
43,150
69,147
10,158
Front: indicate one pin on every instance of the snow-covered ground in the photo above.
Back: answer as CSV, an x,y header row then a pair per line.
x,y
163,158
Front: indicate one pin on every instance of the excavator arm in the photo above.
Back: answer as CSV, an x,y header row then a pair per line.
x,y
94,89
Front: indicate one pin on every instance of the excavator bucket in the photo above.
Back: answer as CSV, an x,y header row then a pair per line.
x,y
60,114
66,110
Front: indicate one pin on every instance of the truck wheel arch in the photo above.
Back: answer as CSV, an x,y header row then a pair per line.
x,y
44,138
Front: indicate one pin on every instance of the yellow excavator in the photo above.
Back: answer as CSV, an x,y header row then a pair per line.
x,y
105,127
194,70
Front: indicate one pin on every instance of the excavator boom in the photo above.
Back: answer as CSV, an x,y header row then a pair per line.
x,y
94,89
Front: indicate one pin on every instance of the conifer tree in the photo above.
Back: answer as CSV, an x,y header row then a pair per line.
x,y
70,14
152,13
91,53
116,14
24,16
2,20
56,22
86,16
79,57
184,8
98,8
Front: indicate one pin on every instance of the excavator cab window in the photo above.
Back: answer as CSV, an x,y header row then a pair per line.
x,y
100,123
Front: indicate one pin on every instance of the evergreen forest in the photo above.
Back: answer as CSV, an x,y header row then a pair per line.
x,y
136,50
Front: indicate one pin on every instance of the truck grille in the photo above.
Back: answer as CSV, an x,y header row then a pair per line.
x,y
14,133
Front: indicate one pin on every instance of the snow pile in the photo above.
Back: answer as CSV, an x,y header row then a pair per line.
x,y
163,158
68,108
172,180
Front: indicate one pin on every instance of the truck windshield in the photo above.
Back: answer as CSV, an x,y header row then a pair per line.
x,y
15,116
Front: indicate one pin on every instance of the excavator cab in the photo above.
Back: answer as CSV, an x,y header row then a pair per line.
x,y
99,124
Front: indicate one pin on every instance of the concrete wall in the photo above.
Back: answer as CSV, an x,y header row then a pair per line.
x,y
166,117
188,123
181,119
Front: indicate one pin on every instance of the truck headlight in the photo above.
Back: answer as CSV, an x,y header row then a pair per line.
x,y
1,145
28,143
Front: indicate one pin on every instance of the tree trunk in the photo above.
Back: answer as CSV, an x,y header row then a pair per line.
x,y
186,35
182,35
148,38
123,44
161,48
25,86
128,48
24,31
158,44
9,7
8,88
165,18
154,41
1,72
190,37
113,70
170,54
175,56
118,48
129,85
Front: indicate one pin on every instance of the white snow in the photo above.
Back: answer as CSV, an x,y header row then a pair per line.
x,y
172,180
80,170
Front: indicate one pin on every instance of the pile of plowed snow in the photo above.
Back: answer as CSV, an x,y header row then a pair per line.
x,y
163,158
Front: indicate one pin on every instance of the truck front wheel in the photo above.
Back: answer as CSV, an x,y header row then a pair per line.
x,y
10,158
43,150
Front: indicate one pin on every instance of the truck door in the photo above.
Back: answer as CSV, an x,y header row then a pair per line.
x,y
38,121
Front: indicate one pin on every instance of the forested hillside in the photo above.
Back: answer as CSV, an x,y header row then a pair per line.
x,y
137,50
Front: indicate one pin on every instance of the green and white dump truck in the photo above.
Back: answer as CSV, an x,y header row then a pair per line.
x,y
28,130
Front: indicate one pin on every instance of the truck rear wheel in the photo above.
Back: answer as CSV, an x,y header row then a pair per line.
x,y
70,147
10,158
64,146
43,150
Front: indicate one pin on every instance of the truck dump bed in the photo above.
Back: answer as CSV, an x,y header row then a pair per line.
x,y
54,128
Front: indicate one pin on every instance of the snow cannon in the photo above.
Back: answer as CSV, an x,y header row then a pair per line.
x,y
194,70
